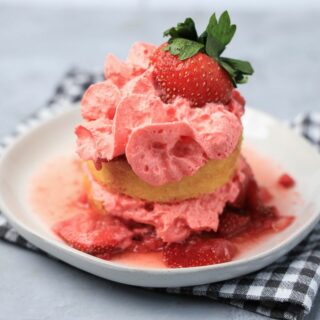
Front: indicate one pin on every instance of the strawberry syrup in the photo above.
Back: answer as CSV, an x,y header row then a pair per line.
x,y
57,194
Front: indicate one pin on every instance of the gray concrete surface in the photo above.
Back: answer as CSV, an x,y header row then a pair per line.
x,y
38,44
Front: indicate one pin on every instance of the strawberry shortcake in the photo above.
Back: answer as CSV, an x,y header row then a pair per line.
x,y
160,149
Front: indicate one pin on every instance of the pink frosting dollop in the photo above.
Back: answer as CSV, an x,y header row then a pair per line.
x,y
163,142
174,222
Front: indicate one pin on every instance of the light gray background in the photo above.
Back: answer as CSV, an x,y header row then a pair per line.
x,y
40,40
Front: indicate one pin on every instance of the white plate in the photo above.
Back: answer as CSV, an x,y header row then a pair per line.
x,y
55,136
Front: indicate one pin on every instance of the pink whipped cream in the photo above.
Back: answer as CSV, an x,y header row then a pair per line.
x,y
162,142
174,222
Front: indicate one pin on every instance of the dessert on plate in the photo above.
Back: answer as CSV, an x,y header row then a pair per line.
x,y
160,149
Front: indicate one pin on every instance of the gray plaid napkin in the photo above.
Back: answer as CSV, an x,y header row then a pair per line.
x,y
284,290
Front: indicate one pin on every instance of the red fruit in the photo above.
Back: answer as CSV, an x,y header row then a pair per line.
x,y
94,234
198,252
262,219
145,240
270,212
148,243
253,200
199,78
231,224
286,181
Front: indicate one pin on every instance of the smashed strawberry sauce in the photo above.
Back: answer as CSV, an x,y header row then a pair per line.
x,y
57,196
105,236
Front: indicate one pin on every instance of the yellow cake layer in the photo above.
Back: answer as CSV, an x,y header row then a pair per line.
x,y
118,177
96,204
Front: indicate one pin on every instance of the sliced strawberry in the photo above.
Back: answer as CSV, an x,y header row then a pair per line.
x,y
145,239
263,219
249,198
199,79
231,224
94,234
148,243
253,200
286,181
198,252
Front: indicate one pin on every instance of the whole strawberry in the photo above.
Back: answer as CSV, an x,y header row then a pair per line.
x,y
199,78
190,66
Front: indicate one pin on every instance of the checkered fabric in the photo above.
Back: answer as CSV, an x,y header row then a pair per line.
x,y
284,290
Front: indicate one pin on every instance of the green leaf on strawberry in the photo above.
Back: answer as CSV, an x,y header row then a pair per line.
x,y
184,42
185,30
219,34
184,48
237,69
